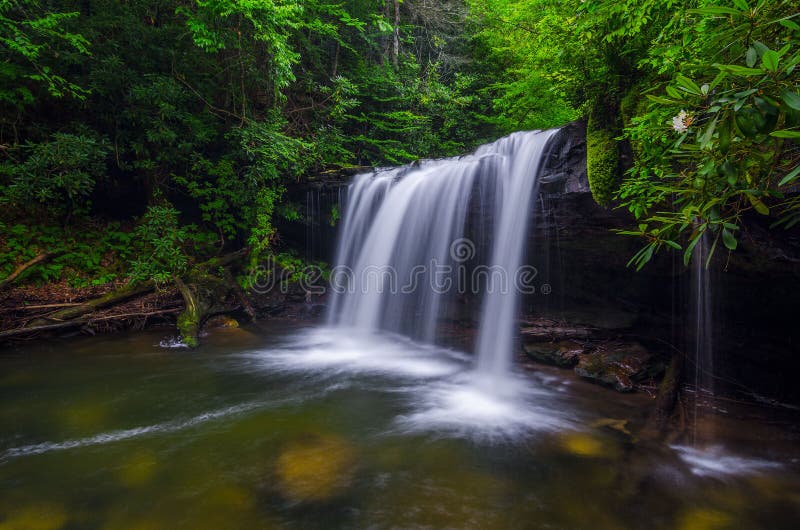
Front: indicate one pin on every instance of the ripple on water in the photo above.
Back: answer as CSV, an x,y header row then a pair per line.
x,y
714,461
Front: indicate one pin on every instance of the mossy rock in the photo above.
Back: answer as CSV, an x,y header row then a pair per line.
x,y
316,469
221,321
602,163
619,365
565,353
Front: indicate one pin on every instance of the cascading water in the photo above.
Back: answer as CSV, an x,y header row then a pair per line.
x,y
404,229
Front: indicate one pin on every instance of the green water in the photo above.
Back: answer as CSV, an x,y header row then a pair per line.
x,y
120,433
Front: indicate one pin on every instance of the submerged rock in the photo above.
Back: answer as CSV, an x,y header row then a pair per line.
x,y
315,470
619,365
565,353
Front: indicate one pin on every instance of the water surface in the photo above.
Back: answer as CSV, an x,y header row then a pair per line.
x,y
292,427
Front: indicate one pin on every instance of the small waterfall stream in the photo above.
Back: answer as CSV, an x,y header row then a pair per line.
x,y
406,241
701,326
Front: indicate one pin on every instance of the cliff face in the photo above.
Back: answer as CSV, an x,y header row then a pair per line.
x,y
582,276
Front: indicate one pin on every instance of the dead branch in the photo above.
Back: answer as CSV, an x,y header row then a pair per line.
x,y
44,256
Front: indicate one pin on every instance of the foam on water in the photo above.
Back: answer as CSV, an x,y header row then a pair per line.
x,y
445,395
343,350
471,406
714,461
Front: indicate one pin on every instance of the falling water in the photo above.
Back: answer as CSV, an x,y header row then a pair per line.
x,y
517,189
406,230
701,315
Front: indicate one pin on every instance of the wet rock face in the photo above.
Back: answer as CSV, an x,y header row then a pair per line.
x,y
564,169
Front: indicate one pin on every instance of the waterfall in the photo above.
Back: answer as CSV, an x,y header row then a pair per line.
x,y
408,244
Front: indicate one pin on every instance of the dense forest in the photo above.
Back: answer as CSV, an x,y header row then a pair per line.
x,y
138,138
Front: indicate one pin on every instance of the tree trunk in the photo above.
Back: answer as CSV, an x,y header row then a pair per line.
x,y
202,290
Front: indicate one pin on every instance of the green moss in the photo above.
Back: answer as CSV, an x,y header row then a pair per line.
x,y
602,163
189,327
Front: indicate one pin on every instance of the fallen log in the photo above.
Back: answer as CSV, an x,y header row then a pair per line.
x,y
114,297
35,307
44,256
81,321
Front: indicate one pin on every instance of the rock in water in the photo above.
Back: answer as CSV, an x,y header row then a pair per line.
x,y
565,353
315,470
619,365
221,321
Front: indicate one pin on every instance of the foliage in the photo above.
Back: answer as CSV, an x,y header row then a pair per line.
x,y
30,34
111,110
159,239
91,256
722,139
56,176
703,94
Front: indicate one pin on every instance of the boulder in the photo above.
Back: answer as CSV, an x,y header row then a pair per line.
x,y
221,321
565,353
619,365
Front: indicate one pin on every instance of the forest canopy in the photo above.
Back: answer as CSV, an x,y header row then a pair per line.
x,y
138,137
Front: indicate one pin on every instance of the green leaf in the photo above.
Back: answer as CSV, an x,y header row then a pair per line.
x,y
742,71
770,60
790,24
759,206
790,176
785,133
728,239
751,57
687,254
688,85
715,10
673,92
791,99
741,4
659,99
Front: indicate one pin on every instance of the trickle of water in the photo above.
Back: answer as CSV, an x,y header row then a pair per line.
x,y
404,240
701,314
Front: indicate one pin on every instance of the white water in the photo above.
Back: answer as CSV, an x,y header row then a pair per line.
x,y
442,393
404,243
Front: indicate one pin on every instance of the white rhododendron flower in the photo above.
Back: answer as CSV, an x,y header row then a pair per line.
x,y
681,122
